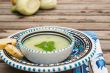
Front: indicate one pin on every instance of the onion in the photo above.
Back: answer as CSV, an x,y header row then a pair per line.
x,y
48,4
27,7
13,9
13,2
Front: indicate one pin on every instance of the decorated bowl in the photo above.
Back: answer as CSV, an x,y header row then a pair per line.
x,y
46,45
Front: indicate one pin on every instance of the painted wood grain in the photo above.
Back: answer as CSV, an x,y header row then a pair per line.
x,y
107,57
103,35
56,18
78,12
16,25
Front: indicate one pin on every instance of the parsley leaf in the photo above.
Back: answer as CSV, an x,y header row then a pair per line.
x,y
46,46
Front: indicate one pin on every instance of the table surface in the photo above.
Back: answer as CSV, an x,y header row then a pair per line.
x,y
84,15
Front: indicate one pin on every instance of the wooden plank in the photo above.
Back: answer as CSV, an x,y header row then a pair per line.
x,y
81,26
80,12
72,6
56,18
83,1
73,1
107,57
105,44
103,35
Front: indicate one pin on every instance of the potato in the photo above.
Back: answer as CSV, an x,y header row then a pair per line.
x,y
48,4
13,51
4,42
13,2
27,7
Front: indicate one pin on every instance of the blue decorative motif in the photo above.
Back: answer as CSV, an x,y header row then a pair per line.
x,y
92,35
78,48
75,51
99,55
77,70
100,63
84,68
81,69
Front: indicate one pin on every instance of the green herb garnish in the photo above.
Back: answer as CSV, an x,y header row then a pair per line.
x,y
47,46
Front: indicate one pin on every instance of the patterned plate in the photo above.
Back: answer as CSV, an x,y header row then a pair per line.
x,y
83,51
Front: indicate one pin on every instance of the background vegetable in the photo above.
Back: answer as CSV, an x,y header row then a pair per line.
x,y
30,7
48,4
13,2
27,7
13,9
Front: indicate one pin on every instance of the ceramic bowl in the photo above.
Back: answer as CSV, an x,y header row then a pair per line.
x,y
46,57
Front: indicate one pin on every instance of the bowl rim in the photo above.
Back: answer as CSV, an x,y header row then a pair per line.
x,y
29,31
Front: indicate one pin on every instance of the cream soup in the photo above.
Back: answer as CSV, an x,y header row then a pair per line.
x,y
55,42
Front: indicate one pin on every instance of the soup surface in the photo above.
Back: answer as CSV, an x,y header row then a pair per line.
x,y
46,42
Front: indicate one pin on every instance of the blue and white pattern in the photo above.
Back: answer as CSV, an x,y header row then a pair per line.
x,y
73,62
78,48
82,69
98,62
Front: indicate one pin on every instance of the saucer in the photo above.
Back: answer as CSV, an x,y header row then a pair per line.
x,y
83,51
